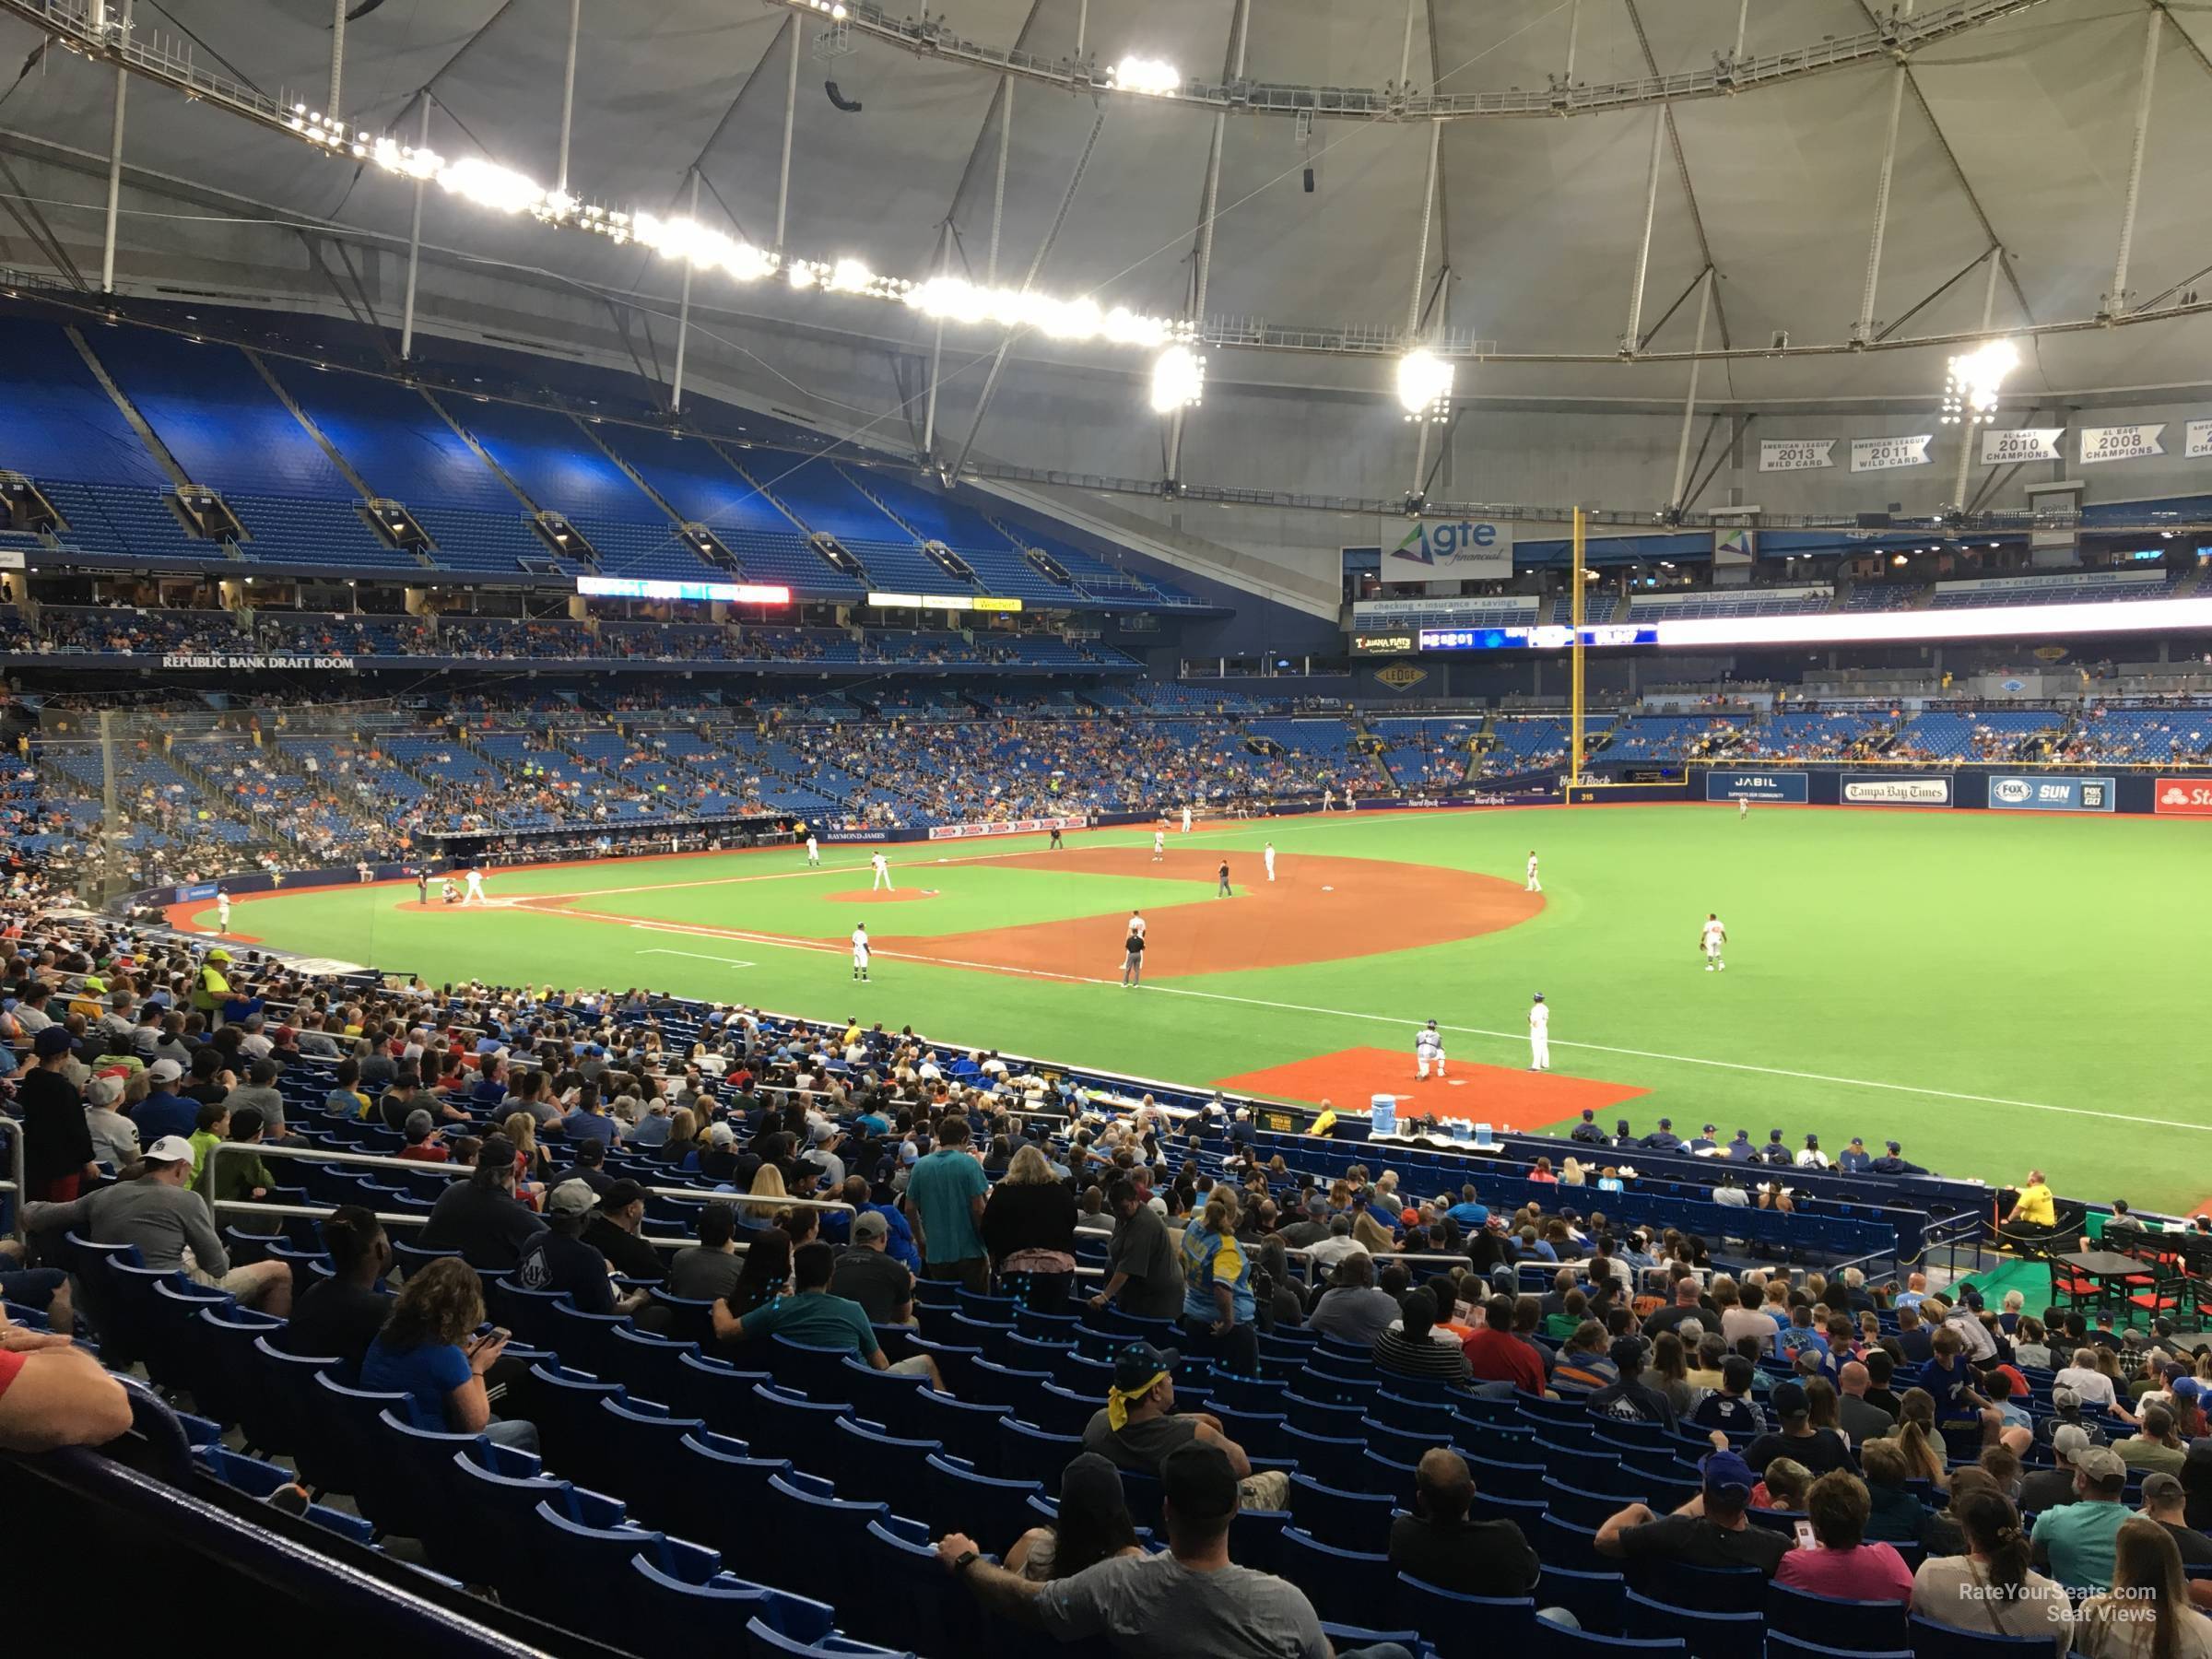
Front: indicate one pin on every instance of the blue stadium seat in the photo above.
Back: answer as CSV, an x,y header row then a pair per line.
x,y
340,1453
1347,1586
1709,1635
718,1499
1028,1453
1932,1641
955,1498
1465,1627
585,1342
648,1366
1597,1600
1347,1519
565,1405
716,1391
673,1614
1779,1646
567,1555
911,1600
1327,1457
274,1414
1711,1589
969,1428
812,1534
639,1452
1866,1627
225,1372
869,1462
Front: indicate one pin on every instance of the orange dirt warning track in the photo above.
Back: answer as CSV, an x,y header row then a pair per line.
x,y
1316,909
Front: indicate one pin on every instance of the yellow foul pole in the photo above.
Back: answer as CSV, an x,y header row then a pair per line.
x,y
1575,659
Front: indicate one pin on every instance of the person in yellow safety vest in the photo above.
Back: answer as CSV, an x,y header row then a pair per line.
x,y
1325,1121
213,990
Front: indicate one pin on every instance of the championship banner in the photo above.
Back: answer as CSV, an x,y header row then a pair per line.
x,y
2051,794
1883,454
1011,827
2182,797
1795,454
1790,787
182,659
1897,791
2199,439
2122,443
2020,443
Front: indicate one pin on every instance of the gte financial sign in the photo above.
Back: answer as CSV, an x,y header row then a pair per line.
x,y
1459,548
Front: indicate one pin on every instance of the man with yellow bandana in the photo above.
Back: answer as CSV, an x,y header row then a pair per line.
x,y
1139,1426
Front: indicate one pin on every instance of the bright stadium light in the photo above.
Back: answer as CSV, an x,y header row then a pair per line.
x,y
955,299
1424,386
1155,77
1970,393
1178,380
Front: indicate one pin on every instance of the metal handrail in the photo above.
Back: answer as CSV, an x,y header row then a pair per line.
x,y
384,1161
384,1217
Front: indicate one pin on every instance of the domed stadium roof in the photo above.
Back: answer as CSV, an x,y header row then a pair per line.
x,y
2016,126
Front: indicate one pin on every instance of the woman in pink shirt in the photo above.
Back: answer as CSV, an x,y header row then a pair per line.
x,y
1842,1563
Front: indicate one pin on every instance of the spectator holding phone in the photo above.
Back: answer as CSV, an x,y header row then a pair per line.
x,y
429,1350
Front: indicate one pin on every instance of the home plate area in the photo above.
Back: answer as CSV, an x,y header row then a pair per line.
x,y
1497,1095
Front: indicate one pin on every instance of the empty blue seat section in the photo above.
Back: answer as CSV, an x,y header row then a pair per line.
x,y
300,531
557,466
124,519
217,416
395,440
823,498
57,421
934,515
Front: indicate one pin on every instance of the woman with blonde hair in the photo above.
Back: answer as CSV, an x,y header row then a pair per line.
x,y
430,1351
681,1147
2146,1614
1217,1286
1916,1437
532,1166
1030,1229
1572,1173
768,1182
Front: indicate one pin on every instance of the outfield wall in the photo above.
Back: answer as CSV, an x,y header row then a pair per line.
x,y
1980,788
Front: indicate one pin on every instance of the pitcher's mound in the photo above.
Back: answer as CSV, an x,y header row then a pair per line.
x,y
899,896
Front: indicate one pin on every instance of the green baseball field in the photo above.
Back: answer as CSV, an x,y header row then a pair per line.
x,y
1994,990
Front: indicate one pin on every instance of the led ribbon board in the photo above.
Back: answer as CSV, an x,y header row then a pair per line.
x,y
728,593
1846,628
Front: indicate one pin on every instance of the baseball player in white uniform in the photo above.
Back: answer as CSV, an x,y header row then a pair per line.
x,y
814,849
1160,846
860,952
1536,884
882,878
1713,937
1186,819
474,895
1136,922
1743,807
1428,1047
1269,856
222,910
1539,1035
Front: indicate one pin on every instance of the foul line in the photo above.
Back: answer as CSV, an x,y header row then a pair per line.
x,y
1257,1002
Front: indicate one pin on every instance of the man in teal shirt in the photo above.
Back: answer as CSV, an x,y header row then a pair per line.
x,y
944,1204
2074,1542
814,1317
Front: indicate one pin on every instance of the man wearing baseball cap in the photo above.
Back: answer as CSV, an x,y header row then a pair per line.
x,y
869,1275
170,1225
1708,1531
1188,1602
2166,1500
481,1217
1138,1425
557,1259
616,1231
2074,1542
57,1145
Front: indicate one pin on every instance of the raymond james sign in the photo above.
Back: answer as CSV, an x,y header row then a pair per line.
x,y
180,659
